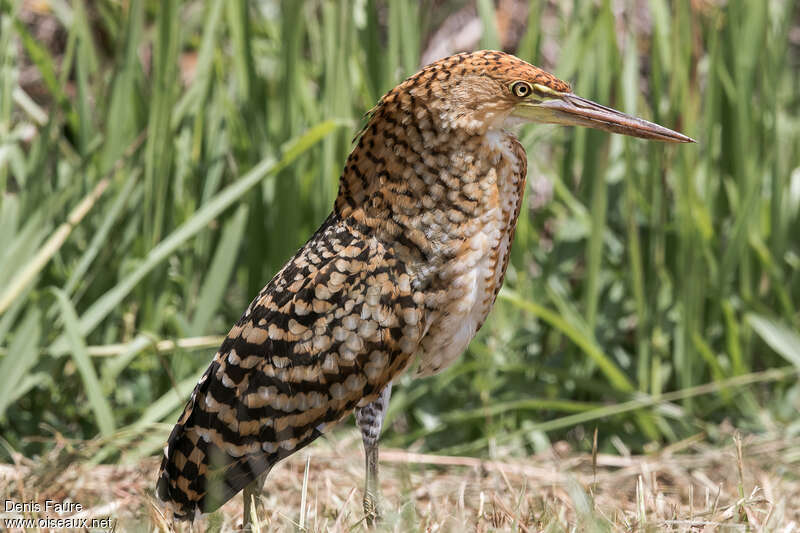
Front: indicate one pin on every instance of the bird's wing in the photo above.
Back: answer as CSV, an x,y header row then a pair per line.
x,y
333,327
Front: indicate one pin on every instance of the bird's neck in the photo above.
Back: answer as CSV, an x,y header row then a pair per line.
x,y
418,186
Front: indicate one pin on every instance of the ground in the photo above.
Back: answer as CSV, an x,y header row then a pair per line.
x,y
750,483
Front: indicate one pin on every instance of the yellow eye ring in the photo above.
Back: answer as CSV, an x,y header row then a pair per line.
x,y
521,89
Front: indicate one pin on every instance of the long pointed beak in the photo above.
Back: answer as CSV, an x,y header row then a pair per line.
x,y
572,110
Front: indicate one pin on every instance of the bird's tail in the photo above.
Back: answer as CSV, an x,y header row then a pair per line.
x,y
201,470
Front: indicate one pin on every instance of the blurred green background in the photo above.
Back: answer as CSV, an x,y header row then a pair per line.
x,y
160,160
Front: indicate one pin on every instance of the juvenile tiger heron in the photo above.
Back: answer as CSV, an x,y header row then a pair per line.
x,y
405,268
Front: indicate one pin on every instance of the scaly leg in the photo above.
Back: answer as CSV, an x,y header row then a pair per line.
x,y
250,493
370,420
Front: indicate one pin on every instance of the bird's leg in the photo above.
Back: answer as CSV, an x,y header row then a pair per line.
x,y
252,493
370,420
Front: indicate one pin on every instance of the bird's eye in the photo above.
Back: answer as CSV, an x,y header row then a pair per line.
x,y
521,89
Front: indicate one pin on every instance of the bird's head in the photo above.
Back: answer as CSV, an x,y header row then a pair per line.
x,y
486,90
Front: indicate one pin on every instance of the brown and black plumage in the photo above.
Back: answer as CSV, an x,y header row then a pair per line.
x,y
405,269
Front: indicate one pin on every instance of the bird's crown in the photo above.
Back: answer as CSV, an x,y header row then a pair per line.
x,y
474,91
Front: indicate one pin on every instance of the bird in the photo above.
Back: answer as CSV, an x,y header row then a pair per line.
x,y
401,274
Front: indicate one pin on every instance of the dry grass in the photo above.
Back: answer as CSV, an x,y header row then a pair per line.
x,y
692,486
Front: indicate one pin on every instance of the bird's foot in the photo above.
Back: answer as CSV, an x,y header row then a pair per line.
x,y
372,511
253,505
253,508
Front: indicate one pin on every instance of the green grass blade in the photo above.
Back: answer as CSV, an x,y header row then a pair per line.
x,y
220,272
158,149
123,105
91,384
785,341
24,350
101,236
489,38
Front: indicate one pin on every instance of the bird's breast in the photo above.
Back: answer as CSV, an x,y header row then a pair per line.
x,y
466,285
